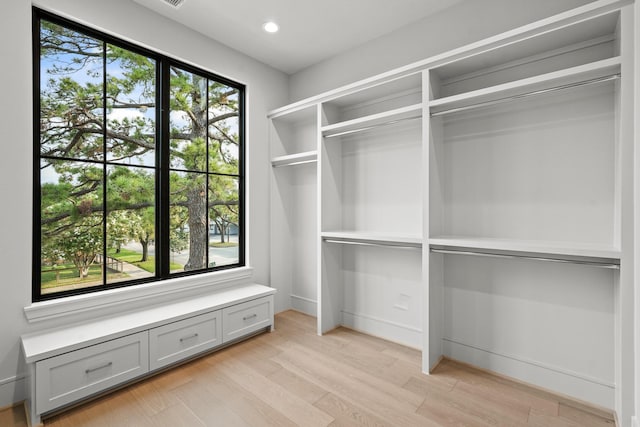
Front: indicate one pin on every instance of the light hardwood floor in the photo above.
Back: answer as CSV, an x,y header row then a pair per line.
x,y
292,377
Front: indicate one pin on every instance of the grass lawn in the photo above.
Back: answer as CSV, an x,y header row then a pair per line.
x,y
223,245
68,274
133,257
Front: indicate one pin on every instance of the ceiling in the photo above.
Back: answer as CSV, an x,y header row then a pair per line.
x,y
310,30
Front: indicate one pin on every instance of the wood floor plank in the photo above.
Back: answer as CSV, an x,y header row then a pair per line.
x,y
152,399
503,395
13,416
423,384
541,419
390,407
586,419
286,401
361,378
445,416
450,408
409,355
209,409
348,414
253,354
305,389
246,405
480,382
176,416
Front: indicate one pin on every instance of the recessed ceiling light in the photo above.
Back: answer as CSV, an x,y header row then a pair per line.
x,y
270,27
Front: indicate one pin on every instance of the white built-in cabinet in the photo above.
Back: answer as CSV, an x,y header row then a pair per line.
x,y
476,205
70,364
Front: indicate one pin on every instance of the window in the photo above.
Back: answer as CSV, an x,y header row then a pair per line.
x,y
138,162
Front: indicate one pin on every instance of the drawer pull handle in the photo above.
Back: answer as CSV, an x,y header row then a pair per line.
x,y
183,339
90,370
251,316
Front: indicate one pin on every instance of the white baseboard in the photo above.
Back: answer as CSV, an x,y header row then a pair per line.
x,y
304,305
590,390
12,391
390,331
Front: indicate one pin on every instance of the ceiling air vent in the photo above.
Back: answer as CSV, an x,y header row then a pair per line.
x,y
174,3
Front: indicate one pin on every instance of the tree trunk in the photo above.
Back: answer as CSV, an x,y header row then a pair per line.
x,y
198,230
220,226
197,192
83,263
145,248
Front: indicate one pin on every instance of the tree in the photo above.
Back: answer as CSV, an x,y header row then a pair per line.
x,y
80,115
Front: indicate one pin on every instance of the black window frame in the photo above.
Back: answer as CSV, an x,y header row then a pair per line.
x,y
162,166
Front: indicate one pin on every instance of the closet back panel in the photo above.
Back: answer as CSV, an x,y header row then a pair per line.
x,y
537,169
304,232
578,44
397,93
555,321
295,133
293,231
383,292
381,179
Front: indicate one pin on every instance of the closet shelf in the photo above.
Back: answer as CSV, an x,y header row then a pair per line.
x,y
569,77
295,159
373,239
581,253
374,120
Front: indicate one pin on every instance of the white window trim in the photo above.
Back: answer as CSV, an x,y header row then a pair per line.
x,y
126,296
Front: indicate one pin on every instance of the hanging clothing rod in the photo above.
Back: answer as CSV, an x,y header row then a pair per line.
x,y
380,245
362,129
301,162
528,94
531,258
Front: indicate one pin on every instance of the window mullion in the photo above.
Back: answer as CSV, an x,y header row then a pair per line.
x,y
104,164
206,170
163,75
37,196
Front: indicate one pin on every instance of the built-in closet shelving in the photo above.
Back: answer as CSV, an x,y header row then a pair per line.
x,y
524,207
370,176
294,226
475,204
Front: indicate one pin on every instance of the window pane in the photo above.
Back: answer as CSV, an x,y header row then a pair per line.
x,y
224,129
131,223
71,226
224,221
130,107
70,94
188,221
188,118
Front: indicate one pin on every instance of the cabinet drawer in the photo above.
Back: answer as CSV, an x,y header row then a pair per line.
x,y
250,316
175,341
72,376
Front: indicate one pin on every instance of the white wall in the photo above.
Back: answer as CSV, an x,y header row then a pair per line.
x,y
15,188
266,89
636,37
464,23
